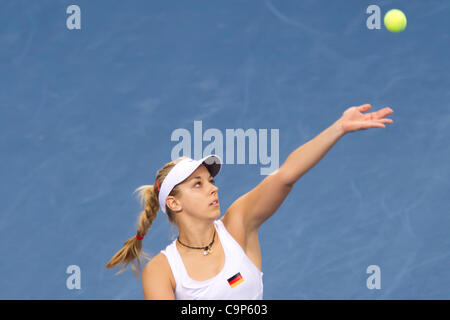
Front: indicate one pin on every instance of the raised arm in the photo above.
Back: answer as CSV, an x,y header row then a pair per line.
x,y
257,205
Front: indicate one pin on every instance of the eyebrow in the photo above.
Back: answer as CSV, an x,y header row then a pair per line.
x,y
198,177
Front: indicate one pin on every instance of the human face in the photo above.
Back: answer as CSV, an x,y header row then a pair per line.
x,y
198,191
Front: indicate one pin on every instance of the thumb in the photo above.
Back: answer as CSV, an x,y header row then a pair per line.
x,y
364,107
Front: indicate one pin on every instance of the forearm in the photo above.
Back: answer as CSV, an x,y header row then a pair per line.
x,y
309,154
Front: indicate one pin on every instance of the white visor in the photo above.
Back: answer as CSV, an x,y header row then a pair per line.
x,y
183,170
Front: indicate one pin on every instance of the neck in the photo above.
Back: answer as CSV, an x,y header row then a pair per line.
x,y
197,235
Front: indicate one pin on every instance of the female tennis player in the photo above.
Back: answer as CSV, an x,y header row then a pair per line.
x,y
216,258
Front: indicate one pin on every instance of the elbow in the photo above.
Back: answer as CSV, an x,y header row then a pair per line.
x,y
284,178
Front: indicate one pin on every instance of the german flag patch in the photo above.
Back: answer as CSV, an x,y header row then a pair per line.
x,y
235,280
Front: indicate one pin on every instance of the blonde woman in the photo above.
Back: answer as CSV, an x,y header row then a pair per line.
x,y
213,257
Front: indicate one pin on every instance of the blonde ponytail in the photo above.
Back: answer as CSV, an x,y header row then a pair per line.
x,y
131,252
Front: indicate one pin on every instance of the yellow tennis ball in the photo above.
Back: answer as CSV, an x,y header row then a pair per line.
x,y
395,20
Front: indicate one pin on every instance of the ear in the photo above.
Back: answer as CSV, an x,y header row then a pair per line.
x,y
173,204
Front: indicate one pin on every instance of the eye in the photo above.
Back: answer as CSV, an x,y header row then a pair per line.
x,y
211,181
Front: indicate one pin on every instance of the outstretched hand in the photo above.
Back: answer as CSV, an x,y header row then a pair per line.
x,y
354,119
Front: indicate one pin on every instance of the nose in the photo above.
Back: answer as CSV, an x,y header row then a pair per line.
x,y
214,188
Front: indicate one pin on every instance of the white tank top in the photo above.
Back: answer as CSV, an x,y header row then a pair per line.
x,y
239,278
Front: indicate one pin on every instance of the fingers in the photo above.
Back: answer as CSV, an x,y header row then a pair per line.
x,y
381,113
378,114
376,125
380,123
385,111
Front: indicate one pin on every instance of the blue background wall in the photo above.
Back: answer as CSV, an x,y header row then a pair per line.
x,y
86,117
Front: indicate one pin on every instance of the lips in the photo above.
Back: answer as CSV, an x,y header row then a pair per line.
x,y
215,202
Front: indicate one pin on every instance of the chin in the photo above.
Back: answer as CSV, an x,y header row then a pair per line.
x,y
216,214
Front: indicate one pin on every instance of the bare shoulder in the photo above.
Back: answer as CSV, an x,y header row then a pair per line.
x,y
158,282
233,221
